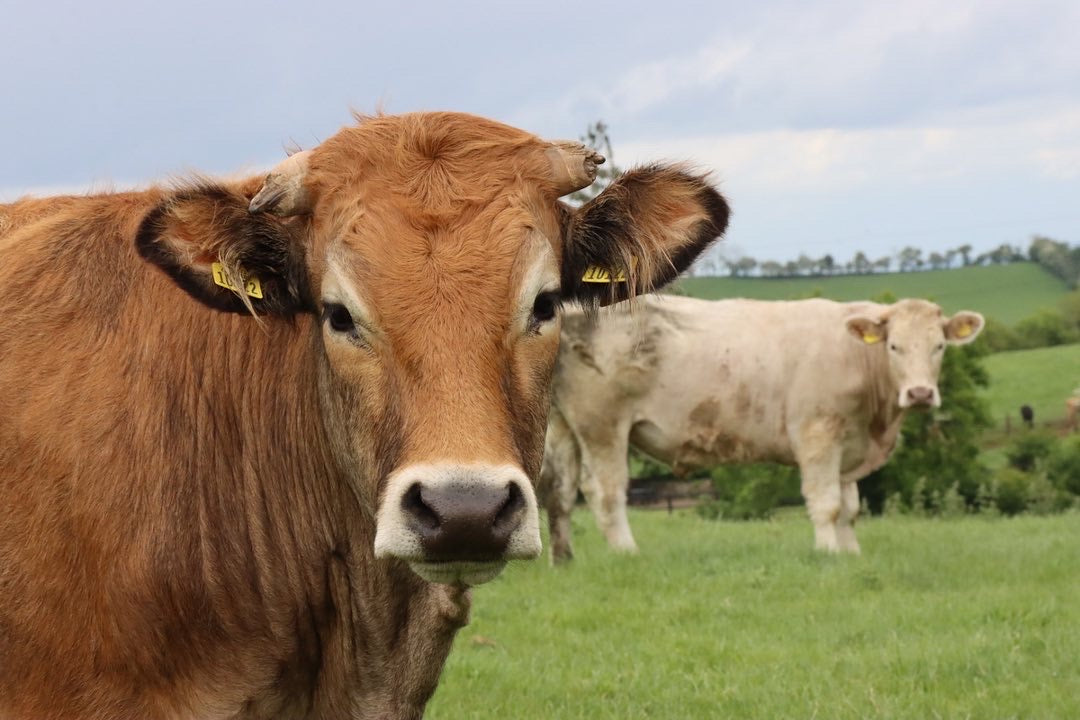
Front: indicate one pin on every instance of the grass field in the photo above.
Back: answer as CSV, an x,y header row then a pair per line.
x,y
1042,378
1008,293
970,618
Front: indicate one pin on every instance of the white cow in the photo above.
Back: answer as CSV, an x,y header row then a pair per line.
x,y
814,383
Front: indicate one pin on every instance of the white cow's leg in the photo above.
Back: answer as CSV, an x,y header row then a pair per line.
x,y
560,478
849,511
819,464
605,479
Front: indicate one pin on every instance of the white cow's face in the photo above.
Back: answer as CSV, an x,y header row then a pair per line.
x,y
913,334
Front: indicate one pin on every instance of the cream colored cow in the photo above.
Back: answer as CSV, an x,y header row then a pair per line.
x,y
814,383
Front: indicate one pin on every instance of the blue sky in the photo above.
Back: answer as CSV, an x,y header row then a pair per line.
x,y
832,126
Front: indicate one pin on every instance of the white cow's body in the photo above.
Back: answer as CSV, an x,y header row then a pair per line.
x,y
696,383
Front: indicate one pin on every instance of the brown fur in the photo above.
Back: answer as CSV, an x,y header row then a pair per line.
x,y
189,495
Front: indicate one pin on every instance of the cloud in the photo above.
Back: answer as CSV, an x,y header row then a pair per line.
x,y
1044,145
840,64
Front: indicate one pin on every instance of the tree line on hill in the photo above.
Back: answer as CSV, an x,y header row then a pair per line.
x,y
909,259
1058,258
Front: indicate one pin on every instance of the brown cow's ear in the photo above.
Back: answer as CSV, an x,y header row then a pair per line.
x,y
639,234
224,255
868,330
963,327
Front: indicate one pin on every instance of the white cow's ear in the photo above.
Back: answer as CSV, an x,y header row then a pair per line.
x,y
963,327
867,330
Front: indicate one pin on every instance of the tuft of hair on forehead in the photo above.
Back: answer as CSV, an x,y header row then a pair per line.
x,y
434,161
917,307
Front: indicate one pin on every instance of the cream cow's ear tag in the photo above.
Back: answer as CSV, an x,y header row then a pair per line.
x,y
963,331
252,287
870,337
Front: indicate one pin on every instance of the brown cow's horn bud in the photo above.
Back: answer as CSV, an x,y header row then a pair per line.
x,y
573,166
283,192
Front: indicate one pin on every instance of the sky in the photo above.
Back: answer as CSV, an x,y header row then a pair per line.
x,y
831,126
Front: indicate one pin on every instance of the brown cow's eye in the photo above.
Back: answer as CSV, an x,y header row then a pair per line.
x,y
545,307
339,319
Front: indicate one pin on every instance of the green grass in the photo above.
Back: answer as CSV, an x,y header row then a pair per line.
x,y
1008,293
970,618
1042,378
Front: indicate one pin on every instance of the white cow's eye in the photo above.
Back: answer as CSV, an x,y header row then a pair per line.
x,y
894,347
939,347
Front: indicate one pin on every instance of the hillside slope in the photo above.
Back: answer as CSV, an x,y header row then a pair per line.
x,y
1008,293
1042,378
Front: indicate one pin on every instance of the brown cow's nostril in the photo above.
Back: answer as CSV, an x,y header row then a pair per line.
x,y
465,519
508,516
414,506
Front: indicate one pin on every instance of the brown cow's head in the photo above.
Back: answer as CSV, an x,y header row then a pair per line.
x,y
914,333
436,254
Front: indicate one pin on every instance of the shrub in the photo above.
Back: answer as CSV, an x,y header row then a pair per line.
x,y
1045,328
1063,466
750,492
1012,491
1030,451
999,337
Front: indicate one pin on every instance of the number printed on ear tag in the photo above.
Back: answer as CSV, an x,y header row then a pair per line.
x,y
252,288
595,274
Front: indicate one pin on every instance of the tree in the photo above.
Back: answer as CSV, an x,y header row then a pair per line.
x,y
937,260
805,264
965,253
862,263
950,255
746,265
883,263
1057,258
910,259
771,268
827,264
596,137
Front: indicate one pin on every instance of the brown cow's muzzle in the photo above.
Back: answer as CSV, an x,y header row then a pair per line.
x,y
458,524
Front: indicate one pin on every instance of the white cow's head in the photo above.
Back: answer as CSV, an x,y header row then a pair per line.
x,y
913,334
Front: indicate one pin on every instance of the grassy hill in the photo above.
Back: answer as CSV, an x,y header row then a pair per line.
x,y
1008,293
1041,378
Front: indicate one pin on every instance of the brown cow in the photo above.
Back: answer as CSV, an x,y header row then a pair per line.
x,y
210,515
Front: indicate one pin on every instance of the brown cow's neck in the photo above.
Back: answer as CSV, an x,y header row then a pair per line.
x,y
229,569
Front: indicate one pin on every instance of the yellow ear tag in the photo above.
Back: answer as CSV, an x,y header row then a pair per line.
x,y
963,331
253,287
596,274
870,338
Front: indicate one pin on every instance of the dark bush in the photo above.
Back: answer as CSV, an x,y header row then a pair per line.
x,y
1030,451
750,492
1063,466
1011,487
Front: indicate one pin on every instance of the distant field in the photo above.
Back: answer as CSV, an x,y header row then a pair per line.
x,y
1042,378
1008,293
968,618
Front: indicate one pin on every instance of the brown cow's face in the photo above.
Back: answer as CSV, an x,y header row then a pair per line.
x,y
444,340
914,334
436,254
